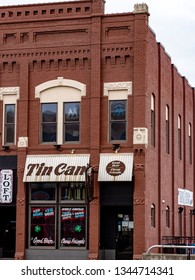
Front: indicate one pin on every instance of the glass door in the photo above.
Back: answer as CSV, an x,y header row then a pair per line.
x,y
124,237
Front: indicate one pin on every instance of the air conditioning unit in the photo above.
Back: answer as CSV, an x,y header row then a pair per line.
x,y
140,136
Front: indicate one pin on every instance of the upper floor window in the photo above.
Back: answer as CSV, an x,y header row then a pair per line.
x,y
167,130
190,142
60,110
9,95
9,130
179,138
117,93
51,115
118,120
152,120
71,121
49,122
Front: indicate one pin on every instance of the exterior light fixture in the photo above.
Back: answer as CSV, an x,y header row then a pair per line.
x,y
6,148
180,210
116,148
57,147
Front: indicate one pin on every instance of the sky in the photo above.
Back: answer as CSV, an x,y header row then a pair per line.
x,y
173,22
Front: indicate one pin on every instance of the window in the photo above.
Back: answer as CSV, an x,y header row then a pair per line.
x,y
9,95
190,142
118,120
167,216
49,122
153,215
54,221
78,10
167,129
60,103
180,211
72,226
9,130
179,138
71,121
152,120
42,228
118,94
72,191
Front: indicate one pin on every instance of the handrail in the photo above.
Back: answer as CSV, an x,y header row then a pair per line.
x,y
170,246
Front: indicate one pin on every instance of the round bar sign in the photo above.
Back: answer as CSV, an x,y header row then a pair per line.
x,y
115,168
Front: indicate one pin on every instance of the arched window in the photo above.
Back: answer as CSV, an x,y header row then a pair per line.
x,y
167,130
190,142
167,216
60,110
179,138
152,215
152,120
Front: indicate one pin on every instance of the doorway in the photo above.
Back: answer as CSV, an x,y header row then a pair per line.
x,y
116,232
7,231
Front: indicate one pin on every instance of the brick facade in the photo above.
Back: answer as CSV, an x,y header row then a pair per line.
x,y
76,41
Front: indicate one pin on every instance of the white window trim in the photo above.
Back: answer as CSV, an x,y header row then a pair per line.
x,y
9,95
118,90
60,82
43,91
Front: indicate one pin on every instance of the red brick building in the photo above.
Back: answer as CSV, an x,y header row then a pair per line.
x,y
97,134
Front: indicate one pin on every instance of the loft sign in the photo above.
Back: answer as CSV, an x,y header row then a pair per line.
x,y
6,186
115,168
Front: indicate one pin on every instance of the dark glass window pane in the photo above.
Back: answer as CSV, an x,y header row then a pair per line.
x,y
118,130
152,128
71,111
118,120
72,227
49,124
49,132
49,112
42,226
71,121
72,132
10,113
118,110
9,133
43,191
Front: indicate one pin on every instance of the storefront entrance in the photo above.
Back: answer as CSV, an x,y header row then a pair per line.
x,y
116,239
116,220
7,231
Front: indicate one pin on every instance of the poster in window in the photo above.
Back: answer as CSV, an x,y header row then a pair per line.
x,y
73,227
42,226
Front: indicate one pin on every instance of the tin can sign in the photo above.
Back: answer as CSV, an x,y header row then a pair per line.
x,y
115,168
6,186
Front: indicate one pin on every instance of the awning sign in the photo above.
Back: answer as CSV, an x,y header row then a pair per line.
x,y
115,167
6,186
55,168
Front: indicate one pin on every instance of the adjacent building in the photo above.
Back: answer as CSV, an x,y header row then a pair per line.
x,y
96,134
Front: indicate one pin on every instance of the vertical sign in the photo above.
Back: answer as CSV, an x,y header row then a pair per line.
x,y
6,186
